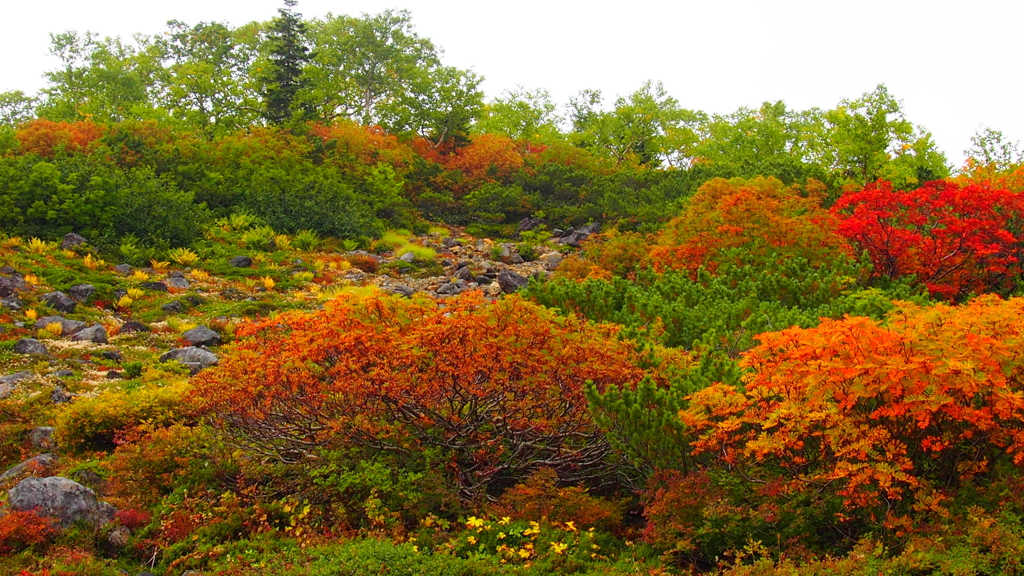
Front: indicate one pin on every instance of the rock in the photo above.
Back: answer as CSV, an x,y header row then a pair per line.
x,y
463,273
450,242
63,374
59,395
42,437
60,302
575,237
202,336
401,289
483,280
90,478
175,274
178,282
95,333
30,346
11,302
10,284
133,326
452,288
71,240
174,306
60,498
504,253
119,537
113,355
114,375
195,358
558,232
155,286
516,259
81,292
407,257
510,281
7,383
67,327
551,260
123,269
42,462
529,223
194,300
241,262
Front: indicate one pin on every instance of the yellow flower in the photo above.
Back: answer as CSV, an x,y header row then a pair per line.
x,y
501,535
471,539
570,526
524,553
558,547
533,530
474,522
505,520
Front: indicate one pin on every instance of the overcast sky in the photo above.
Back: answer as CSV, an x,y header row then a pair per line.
x,y
955,65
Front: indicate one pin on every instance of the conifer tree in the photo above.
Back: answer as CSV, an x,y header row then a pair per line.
x,y
288,55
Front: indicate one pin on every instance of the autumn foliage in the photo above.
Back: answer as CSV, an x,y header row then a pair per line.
x,y
498,388
44,137
882,416
956,239
762,216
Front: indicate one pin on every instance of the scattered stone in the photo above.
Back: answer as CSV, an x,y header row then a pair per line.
x,y
113,355
60,302
133,326
575,237
400,289
42,462
195,358
10,284
30,346
551,260
202,336
81,292
450,242
67,327
504,253
72,240
155,286
60,498
60,396
408,257
463,273
174,306
114,375
529,223
42,437
482,280
7,383
119,537
195,300
178,282
452,288
175,274
241,262
63,373
558,233
516,259
11,302
123,269
90,478
95,333
510,281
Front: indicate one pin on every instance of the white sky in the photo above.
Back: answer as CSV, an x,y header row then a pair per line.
x,y
956,65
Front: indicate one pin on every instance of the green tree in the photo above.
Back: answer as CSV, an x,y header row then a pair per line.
x,y
16,107
288,56
991,149
526,116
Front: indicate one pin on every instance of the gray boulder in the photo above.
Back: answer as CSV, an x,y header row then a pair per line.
x,y
174,306
7,383
241,262
202,336
575,237
464,273
40,462
42,437
510,281
156,286
195,358
11,284
11,302
178,282
81,292
67,327
452,288
62,499
30,346
133,326
60,302
95,333
551,260
71,240
123,269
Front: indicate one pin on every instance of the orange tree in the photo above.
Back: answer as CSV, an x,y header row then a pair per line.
x,y
762,216
884,416
497,389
